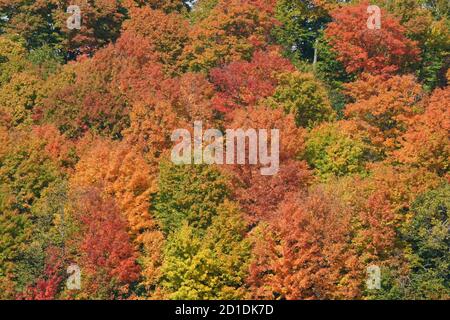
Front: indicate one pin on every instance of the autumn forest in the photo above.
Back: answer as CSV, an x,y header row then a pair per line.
x,y
92,207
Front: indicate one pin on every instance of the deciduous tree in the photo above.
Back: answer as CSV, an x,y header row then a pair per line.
x,y
304,96
333,151
380,51
426,143
306,253
243,83
232,31
387,106
107,258
209,267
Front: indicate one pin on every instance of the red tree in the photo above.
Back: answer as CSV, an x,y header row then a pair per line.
x,y
260,195
243,83
46,287
108,260
379,51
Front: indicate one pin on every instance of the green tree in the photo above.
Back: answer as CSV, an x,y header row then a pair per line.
x,y
332,73
46,60
332,151
304,96
32,20
188,193
426,23
12,57
202,9
427,238
49,230
18,98
300,25
26,171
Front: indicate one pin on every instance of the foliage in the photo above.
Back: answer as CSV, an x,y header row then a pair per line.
x,y
306,254
426,238
304,96
233,30
386,106
361,176
188,193
381,51
107,257
332,151
166,33
300,24
426,143
208,267
243,83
